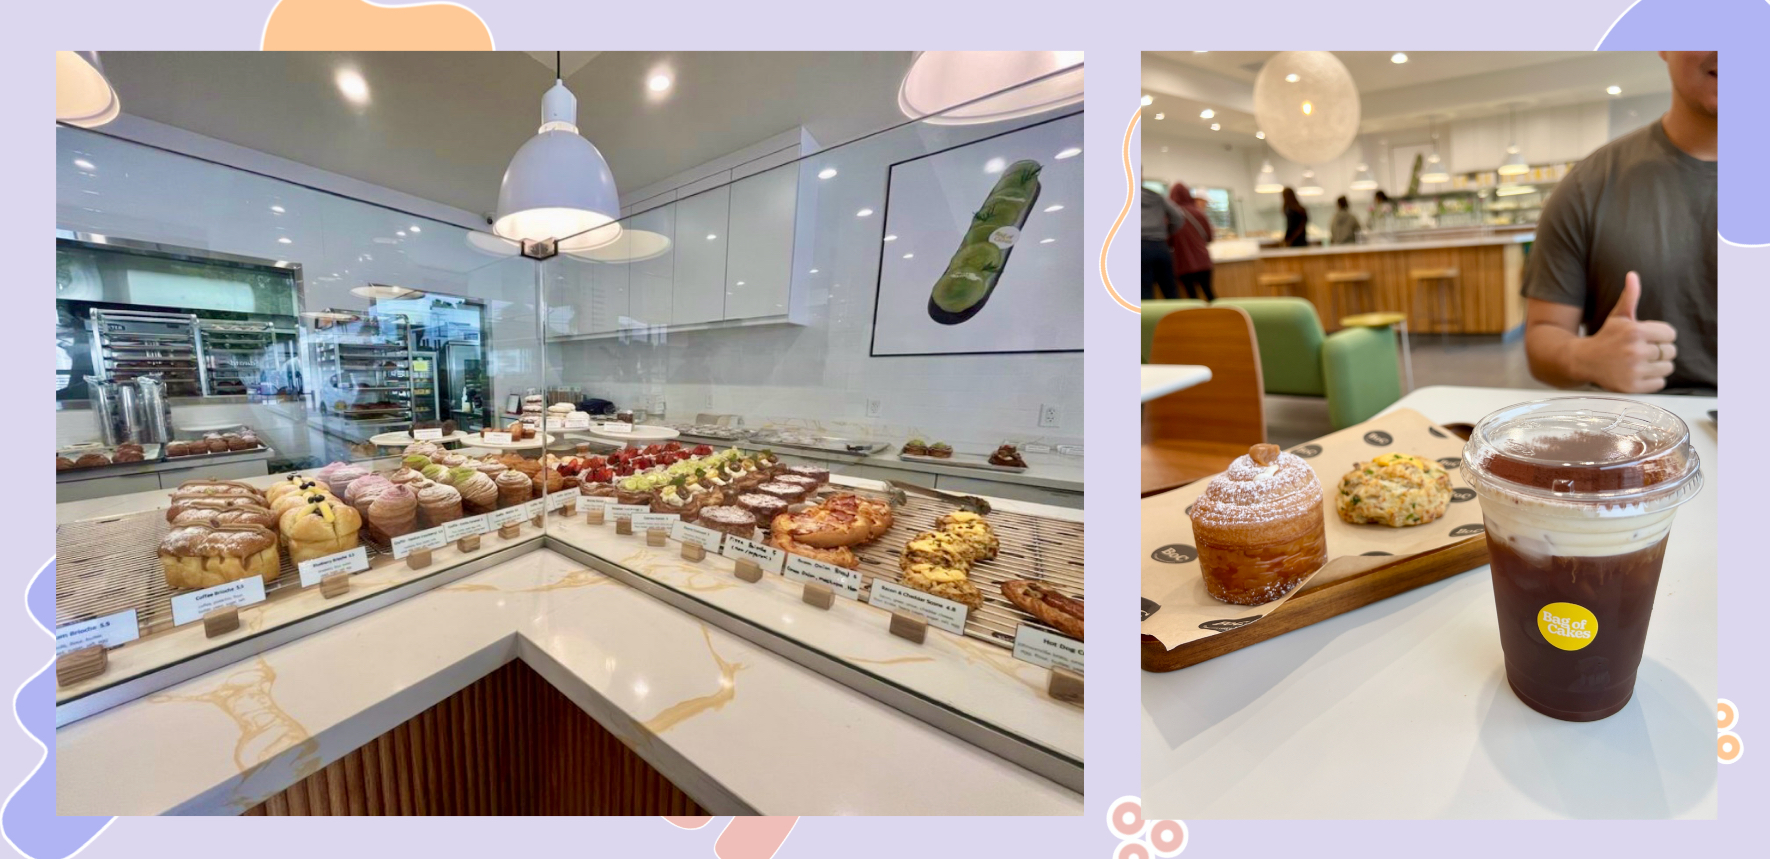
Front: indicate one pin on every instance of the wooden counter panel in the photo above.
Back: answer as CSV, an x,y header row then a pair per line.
x,y
1236,279
509,744
1489,278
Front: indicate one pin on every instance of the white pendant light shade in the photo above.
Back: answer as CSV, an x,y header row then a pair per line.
x,y
1307,104
1434,170
558,184
973,87
1267,182
1514,163
1309,187
1363,180
83,95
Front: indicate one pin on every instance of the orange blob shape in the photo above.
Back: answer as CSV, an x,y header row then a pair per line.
x,y
355,25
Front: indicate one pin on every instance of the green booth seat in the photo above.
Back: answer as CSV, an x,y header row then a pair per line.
x,y
1355,369
1153,311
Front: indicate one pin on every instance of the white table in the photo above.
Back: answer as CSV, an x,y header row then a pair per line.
x,y
1401,709
1160,380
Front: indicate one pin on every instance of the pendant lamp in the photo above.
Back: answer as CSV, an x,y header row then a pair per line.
x,y
1364,179
1307,103
1434,169
558,185
1514,163
83,95
974,87
1267,182
1309,187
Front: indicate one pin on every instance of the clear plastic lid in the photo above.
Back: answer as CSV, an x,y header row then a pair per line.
x,y
1600,451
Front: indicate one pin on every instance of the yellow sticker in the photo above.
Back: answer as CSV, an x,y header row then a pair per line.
x,y
1567,626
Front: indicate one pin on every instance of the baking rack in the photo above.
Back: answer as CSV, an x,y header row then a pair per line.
x,y
1033,547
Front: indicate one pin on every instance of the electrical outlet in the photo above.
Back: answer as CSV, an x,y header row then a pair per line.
x,y
1050,416
875,407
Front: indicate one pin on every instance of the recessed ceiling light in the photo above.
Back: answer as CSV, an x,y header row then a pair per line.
x,y
284,240
1207,113
814,271
1259,135
891,238
1308,108
414,228
83,164
1071,152
740,283
351,84
712,236
827,173
401,234
1291,78
1216,126
659,82
1398,58
863,213
1054,207
995,165
1164,148
1148,100
1613,89
909,256
1161,116
1046,241
278,209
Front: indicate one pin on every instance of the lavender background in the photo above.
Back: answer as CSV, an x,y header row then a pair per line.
x,y
1112,34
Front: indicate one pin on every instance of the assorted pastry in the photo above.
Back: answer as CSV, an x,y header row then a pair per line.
x,y
939,562
1051,606
1396,489
1259,527
126,452
1007,455
231,442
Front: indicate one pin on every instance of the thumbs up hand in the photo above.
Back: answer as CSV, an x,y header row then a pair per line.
x,y
1627,355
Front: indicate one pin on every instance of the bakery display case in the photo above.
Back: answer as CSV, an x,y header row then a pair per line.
x,y
753,473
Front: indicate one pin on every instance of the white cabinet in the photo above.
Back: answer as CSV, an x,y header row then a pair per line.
x,y
759,265
608,301
701,241
651,282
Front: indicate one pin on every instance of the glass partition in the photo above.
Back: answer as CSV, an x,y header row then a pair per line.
x,y
842,394
268,411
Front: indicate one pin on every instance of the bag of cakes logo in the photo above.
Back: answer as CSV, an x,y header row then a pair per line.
x,y
1376,553
1469,530
1462,493
1307,451
1143,839
1226,624
1728,744
1379,438
1567,626
1436,433
1150,607
1450,463
1176,553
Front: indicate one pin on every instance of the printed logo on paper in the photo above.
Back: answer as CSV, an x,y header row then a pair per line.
x,y
1307,451
1175,553
1377,553
1227,624
1450,463
1379,438
1566,625
1150,607
1468,530
1004,237
1435,432
1461,494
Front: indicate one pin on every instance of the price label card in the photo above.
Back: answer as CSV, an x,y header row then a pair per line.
x,y
470,526
942,613
643,522
1047,649
537,507
577,420
844,582
354,561
507,515
556,500
431,434
496,437
616,427
706,538
189,608
767,557
619,511
406,544
108,631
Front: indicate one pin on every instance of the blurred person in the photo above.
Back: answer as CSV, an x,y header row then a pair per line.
x,y
1626,247
1296,221
1344,226
1191,244
1161,219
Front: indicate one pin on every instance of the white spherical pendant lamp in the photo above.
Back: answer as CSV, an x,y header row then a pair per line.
x,y
558,184
974,87
1307,104
83,95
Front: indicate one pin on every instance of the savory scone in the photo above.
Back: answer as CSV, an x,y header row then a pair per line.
x,y
1395,489
940,549
973,529
945,582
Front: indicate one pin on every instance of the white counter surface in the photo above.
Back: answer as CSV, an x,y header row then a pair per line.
x,y
1375,247
1400,709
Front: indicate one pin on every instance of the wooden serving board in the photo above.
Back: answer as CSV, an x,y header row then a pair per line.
x,y
1324,597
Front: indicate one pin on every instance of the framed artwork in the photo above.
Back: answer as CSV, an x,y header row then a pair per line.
x,y
982,247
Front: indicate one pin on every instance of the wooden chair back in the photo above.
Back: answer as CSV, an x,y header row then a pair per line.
x,y
1228,408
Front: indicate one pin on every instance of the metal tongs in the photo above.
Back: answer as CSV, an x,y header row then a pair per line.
x,y
900,489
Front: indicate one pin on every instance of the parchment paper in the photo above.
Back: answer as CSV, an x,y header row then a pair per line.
x,y
1176,608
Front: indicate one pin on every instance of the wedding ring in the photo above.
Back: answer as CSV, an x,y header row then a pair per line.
x,y
1661,353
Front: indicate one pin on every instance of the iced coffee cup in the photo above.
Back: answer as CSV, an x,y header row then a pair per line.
x,y
1578,495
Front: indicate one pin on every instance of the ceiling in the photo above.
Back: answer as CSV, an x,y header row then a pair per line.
x,y
443,126
1431,85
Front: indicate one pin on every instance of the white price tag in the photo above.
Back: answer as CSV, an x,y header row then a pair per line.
x,y
616,427
706,538
108,631
189,608
942,613
496,437
430,434
577,420
556,500
643,522
767,557
1047,649
354,561
470,526
619,511
406,544
537,507
844,582
507,515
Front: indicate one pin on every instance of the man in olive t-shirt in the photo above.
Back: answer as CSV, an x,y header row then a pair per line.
x,y
1626,246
